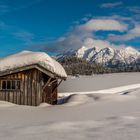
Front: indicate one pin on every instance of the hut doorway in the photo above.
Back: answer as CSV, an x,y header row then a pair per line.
x,y
50,92
47,94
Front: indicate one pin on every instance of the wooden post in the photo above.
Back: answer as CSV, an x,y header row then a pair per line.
x,y
54,95
56,86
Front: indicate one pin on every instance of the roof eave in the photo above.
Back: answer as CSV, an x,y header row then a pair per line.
x,y
47,72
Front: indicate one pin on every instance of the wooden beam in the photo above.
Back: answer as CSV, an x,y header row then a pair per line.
x,y
52,82
47,83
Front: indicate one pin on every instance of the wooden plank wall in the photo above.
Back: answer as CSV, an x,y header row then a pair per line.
x,y
10,96
28,95
31,92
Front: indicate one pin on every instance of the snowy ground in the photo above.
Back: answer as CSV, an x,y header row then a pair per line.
x,y
98,82
89,116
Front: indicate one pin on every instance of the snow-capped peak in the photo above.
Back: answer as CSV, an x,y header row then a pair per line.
x,y
80,52
131,50
108,55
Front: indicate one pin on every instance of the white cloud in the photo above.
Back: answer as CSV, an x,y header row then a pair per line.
x,y
89,42
66,43
73,42
85,34
111,5
23,4
104,25
25,36
134,9
131,34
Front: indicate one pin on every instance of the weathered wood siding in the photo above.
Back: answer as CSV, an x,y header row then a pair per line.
x,y
31,92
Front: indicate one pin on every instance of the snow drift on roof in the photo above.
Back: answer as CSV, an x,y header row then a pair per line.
x,y
26,58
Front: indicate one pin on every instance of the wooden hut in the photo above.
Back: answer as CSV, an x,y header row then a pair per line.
x,y
30,78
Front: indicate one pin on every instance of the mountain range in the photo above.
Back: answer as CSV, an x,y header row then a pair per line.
x,y
110,57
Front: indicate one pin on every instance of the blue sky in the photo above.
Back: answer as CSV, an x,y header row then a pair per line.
x,y
59,25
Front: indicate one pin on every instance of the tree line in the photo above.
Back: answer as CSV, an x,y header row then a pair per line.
x,y
77,66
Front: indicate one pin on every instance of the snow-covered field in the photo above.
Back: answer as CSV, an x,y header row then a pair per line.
x,y
99,82
102,107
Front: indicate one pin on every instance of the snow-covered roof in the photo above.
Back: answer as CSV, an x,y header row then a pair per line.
x,y
27,58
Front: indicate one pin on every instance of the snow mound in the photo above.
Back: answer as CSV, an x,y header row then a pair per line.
x,y
6,104
44,105
74,100
78,99
26,58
